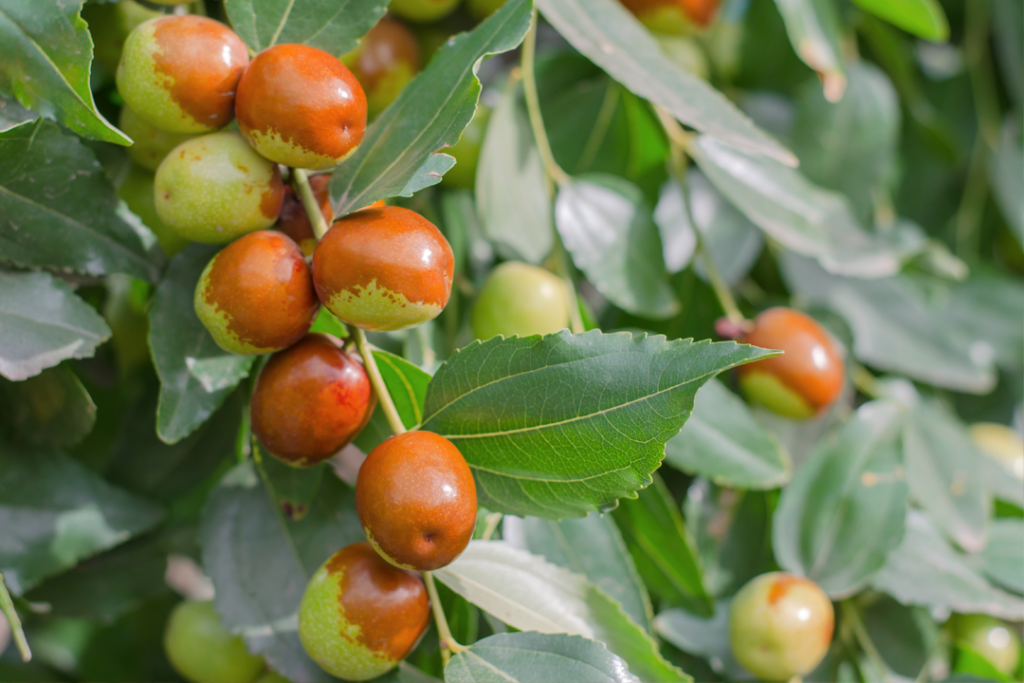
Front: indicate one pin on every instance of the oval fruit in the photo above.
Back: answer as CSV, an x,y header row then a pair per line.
x,y
110,25
423,10
137,192
520,299
677,17
385,61
151,145
201,649
294,220
990,638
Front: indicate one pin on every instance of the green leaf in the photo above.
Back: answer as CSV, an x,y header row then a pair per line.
x,y
723,442
813,29
260,562
60,211
1005,168
589,414
334,27
327,323
654,531
42,322
705,638
945,475
394,157
989,304
904,636
923,18
607,228
13,114
970,661
55,512
1003,484
844,511
527,592
612,38
50,409
407,385
593,547
293,488
46,63
196,375
529,657
1002,560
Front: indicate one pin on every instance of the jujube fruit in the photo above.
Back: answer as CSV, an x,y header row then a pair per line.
x,y
422,10
180,73
804,380
780,626
256,295
360,616
481,9
990,638
467,151
385,61
203,651
519,299
416,499
110,25
310,401
301,107
384,269
673,16
294,221
216,188
151,145
136,190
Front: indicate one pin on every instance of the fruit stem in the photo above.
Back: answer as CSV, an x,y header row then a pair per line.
x,y
379,387
493,520
448,643
300,180
7,606
576,325
852,616
554,171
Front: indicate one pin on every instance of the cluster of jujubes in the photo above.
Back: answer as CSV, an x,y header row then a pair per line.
x,y
381,268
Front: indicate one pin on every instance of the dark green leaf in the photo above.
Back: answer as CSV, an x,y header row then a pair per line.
x,y
13,114
293,488
407,385
813,29
1002,560
588,413
334,27
923,18
1005,168
42,322
46,62
394,157
50,409
196,375
327,323
905,636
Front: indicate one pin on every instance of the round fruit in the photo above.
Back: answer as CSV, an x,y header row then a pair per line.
x,y
520,299
384,269
467,151
180,73
416,500
110,25
422,10
272,677
385,61
780,626
294,220
359,616
310,401
216,188
256,295
202,650
137,192
481,9
673,16
301,107
990,638
804,380
151,145
1001,443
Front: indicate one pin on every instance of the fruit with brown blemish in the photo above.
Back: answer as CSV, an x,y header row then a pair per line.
x,y
677,17
520,299
216,188
423,10
151,145
990,638
180,73
256,295
310,401
301,107
780,626
360,616
806,379
416,500
384,269
203,651
294,221
385,61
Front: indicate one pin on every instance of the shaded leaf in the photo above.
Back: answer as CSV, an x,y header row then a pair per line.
x,y
1005,170
813,29
293,488
407,385
13,114
705,638
1002,560
50,409
923,18
334,27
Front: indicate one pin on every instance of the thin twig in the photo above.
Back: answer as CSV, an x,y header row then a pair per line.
x,y
533,106
381,389
448,643
493,520
300,181
7,607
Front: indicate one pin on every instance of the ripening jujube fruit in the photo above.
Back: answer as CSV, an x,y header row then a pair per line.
x,y
136,190
416,500
294,221
301,107
385,61
384,269
110,25
203,651
520,299
804,380
673,16
360,616
780,626
423,10
151,145
256,295
990,638
216,188
310,401
467,151
180,73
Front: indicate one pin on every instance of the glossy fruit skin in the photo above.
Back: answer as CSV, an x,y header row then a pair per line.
x,y
519,299
151,145
385,61
294,221
110,25
384,269
360,616
467,151
423,10
803,381
137,191
202,650
990,638
780,626
481,9
180,73
1002,444
256,295
310,401
301,107
416,499
216,188
678,17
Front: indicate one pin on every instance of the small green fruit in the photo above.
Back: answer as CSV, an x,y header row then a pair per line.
x,y
151,143
137,192
423,10
520,299
467,151
110,24
481,9
202,650
387,59
990,638
216,188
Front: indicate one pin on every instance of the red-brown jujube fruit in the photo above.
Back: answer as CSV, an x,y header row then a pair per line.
x,y
294,221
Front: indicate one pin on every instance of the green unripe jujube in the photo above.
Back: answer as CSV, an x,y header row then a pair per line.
x,y
151,145
481,9
423,10
137,192
203,651
520,299
110,24
467,151
990,638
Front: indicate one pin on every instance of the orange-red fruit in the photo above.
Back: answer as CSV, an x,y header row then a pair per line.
x,y
416,500
294,220
301,107
384,269
673,16
310,401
